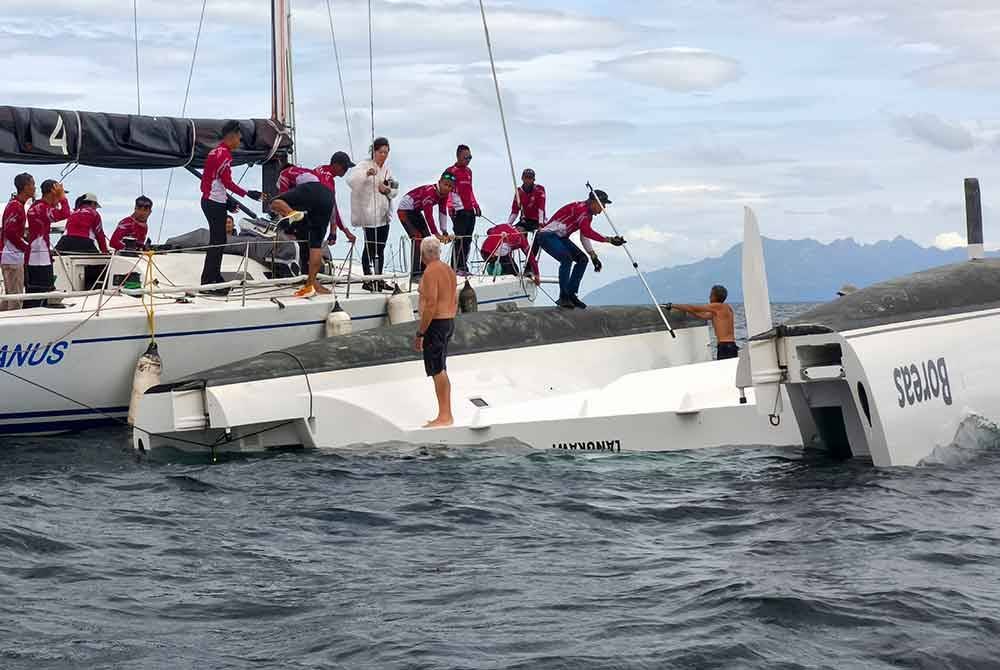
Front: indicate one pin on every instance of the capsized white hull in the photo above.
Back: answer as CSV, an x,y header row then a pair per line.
x,y
72,368
629,393
895,393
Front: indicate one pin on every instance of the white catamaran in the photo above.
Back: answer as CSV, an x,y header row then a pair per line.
x,y
884,374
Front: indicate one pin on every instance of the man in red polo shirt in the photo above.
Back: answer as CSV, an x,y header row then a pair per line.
x,y
13,246
216,182
466,210
41,215
528,209
133,227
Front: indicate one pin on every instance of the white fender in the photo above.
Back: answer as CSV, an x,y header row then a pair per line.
x,y
338,322
399,307
764,369
148,370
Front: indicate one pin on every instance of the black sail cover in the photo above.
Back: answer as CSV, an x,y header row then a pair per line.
x,y
33,136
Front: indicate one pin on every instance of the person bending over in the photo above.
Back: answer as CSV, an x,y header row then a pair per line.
x,y
721,316
554,239
416,213
316,202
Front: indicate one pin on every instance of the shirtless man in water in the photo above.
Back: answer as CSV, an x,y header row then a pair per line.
x,y
721,316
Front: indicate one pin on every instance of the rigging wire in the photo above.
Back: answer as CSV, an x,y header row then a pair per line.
x,y
340,75
371,67
187,94
138,95
496,85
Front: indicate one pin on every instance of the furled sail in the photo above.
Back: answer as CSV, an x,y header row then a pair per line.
x,y
34,136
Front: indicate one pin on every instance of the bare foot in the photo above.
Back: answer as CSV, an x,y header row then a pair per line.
x,y
321,290
439,422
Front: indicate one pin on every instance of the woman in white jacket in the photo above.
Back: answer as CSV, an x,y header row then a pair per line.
x,y
372,190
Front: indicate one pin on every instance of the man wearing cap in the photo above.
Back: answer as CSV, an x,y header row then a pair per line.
x,y
528,208
133,227
465,212
84,231
13,246
416,213
52,207
338,166
554,239
216,182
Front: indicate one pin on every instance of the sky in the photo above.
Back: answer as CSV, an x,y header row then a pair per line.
x,y
831,118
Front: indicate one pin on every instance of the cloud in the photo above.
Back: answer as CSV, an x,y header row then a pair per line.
x,y
976,75
676,69
649,234
950,240
931,129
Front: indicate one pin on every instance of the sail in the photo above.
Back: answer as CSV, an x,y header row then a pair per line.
x,y
33,136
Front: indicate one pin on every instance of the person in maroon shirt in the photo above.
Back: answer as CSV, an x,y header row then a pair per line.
x,y
216,183
466,212
134,227
84,229
13,247
41,215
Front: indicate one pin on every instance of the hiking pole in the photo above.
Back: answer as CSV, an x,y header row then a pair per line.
x,y
635,265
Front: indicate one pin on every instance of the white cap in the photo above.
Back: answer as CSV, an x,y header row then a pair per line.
x,y
90,197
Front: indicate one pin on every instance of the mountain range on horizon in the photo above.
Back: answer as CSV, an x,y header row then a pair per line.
x,y
803,270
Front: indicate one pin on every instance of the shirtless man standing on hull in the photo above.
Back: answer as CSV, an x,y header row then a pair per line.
x,y
721,316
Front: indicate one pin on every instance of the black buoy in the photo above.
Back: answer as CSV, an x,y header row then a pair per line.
x,y
468,301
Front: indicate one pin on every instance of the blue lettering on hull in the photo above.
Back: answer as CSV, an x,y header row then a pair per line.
x,y
32,354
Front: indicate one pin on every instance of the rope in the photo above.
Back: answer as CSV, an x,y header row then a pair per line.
x,y
187,95
150,311
340,75
371,68
138,95
503,116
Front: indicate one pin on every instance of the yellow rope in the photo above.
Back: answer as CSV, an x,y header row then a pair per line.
x,y
150,310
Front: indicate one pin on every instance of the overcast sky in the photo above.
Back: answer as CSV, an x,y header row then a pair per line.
x,y
833,118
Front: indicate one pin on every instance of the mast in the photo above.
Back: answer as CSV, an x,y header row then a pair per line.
x,y
282,98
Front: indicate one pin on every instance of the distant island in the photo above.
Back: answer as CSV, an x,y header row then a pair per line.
x,y
798,271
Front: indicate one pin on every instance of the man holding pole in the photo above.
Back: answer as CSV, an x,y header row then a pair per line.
x,y
554,239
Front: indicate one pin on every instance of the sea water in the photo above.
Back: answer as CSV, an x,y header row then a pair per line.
x,y
496,557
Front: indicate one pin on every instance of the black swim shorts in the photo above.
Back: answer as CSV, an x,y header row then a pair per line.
x,y
436,345
727,350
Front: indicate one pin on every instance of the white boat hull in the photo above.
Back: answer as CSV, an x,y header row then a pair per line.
x,y
612,394
69,369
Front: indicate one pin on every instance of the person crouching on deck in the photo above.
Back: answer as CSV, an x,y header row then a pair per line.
x,y
554,239
721,316
84,229
438,306
502,240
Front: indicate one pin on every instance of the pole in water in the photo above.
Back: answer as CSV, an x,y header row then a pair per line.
x,y
635,266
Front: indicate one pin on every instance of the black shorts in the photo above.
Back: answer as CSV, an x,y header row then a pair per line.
x,y
77,245
727,350
317,201
436,345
